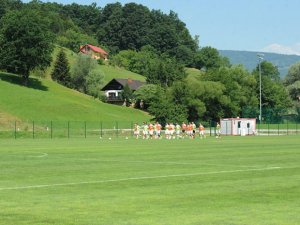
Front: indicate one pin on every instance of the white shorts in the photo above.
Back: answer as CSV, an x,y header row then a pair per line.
x,y
151,132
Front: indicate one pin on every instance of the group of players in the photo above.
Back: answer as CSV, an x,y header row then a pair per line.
x,y
171,131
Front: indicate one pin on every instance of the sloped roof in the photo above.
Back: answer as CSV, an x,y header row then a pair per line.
x,y
95,49
133,84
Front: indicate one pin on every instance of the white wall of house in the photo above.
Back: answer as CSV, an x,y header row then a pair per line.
x,y
115,93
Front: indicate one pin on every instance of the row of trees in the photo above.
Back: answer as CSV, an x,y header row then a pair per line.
x,y
28,31
220,89
222,92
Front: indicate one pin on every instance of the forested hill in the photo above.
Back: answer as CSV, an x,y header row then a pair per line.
x,y
250,60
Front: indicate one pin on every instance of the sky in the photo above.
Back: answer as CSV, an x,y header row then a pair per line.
x,y
251,25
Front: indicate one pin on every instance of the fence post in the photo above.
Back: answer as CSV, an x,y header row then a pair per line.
x,y
68,129
84,129
15,129
278,129
101,132
287,127
51,130
32,129
296,128
131,129
117,127
268,128
210,129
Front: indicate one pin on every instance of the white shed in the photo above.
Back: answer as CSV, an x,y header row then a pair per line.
x,y
238,126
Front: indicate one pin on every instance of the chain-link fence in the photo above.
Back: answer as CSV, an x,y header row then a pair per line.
x,y
64,129
115,129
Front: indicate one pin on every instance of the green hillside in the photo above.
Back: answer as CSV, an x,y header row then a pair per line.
x,y
109,72
46,100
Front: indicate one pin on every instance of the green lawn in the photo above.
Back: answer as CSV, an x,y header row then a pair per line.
x,y
45,100
232,180
111,72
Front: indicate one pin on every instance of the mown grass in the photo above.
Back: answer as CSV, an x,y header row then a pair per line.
x,y
45,100
232,180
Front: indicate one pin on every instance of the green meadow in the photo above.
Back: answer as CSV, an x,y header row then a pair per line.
x,y
232,180
45,100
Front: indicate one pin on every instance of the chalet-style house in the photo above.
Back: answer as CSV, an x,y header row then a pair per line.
x,y
94,51
115,87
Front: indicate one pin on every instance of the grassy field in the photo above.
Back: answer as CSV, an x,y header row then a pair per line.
x,y
232,180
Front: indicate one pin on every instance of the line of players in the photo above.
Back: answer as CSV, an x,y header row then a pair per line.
x,y
172,131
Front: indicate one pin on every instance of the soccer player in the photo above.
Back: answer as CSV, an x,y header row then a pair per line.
x,y
151,130
136,130
177,128
172,130
145,130
157,130
201,131
190,130
218,131
167,130
183,129
193,130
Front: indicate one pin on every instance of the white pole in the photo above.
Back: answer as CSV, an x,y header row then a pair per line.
x,y
260,57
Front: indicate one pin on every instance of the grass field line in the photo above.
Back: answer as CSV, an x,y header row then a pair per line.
x,y
135,178
40,154
168,162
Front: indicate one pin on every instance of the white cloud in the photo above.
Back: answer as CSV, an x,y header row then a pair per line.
x,y
281,49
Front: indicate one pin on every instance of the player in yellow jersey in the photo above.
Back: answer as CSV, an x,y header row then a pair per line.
x,y
145,130
177,128
136,130
218,131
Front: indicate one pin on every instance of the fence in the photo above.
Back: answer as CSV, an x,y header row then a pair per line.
x,y
87,129
64,129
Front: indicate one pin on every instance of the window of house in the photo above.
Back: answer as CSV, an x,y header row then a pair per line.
x,y
112,95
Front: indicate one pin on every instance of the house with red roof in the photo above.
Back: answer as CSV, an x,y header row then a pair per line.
x,y
94,51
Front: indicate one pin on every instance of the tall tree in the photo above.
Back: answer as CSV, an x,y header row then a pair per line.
x,y
111,23
61,70
83,67
25,42
7,5
207,58
293,74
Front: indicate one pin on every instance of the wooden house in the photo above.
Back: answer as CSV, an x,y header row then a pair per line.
x,y
114,88
94,51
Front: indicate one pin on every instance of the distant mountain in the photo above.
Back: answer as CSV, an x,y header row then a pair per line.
x,y
250,59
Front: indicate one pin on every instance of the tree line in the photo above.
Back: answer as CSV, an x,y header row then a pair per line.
x,y
151,43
